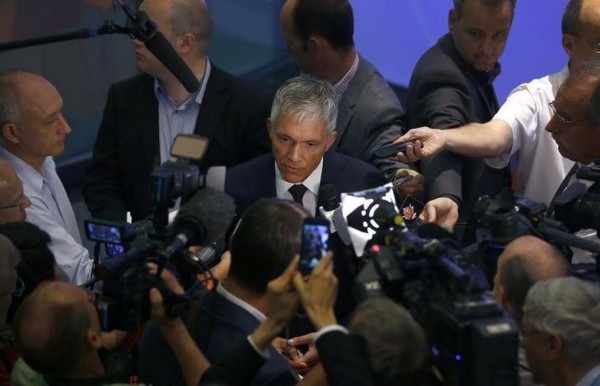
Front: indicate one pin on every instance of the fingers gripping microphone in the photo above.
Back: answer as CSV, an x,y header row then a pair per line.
x,y
331,210
144,29
203,219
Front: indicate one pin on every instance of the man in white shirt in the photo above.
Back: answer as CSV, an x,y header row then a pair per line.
x,y
33,131
518,127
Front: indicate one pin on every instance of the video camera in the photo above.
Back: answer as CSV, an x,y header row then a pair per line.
x,y
203,218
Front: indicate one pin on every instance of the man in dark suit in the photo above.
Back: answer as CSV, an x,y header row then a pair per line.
x,y
320,36
301,128
263,245
451,85
143,115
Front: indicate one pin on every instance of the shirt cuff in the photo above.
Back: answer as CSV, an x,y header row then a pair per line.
x,y
330,328
264,354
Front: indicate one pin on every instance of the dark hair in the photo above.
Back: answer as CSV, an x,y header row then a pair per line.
x,y
570,19
265,241
458,4
331,19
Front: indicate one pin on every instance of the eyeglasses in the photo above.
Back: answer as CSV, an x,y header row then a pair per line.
x,y
561,117
17,204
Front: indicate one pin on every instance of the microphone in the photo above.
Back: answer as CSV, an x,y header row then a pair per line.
x,y
203,219
332,210
142,28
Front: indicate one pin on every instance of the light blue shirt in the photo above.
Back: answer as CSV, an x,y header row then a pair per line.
x,y
51,210
592,378
176,119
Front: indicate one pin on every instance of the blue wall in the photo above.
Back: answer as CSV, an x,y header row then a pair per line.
x,y
394,33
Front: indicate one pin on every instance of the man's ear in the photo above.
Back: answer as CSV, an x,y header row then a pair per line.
x,y
93,339
452,17
186,43
555,349
11,132
567,43
331,138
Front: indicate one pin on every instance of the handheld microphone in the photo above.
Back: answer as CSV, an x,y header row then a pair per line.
x,y
332,210
142,28
204,218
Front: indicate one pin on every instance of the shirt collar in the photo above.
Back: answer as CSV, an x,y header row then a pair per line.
x,y
221,290
342,85
198,96
589,378
312,182
27,174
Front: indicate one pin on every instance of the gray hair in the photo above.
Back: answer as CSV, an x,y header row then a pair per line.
x,y
569,307
396,344
570,19
458,4
192,16
306,98
10,102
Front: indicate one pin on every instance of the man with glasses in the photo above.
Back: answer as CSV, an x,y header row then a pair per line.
x,y
518,127
13,200
561,332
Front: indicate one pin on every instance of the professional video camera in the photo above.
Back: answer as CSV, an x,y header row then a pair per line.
x,y
202,220
473,342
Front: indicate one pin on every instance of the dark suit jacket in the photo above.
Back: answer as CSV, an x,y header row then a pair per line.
x,y
232,116
221,328
369,117
345,359
445,92
253,180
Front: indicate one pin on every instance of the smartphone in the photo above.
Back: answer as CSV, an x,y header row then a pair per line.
x,y
387,151
315,239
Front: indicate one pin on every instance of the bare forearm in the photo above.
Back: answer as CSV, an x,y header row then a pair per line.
x,y
479,140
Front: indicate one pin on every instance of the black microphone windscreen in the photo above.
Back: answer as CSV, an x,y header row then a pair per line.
x,y
162,49
431,230
213,209
328,197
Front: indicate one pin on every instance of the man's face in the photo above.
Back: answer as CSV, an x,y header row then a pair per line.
x,y
158,11
480,32
298,146
43,129
535,344
576,137
299,49
12,199
581,46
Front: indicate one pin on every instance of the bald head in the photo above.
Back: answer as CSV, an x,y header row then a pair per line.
x,y
52,328
12,200
525,261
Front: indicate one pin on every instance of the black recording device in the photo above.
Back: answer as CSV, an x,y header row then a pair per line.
x,y
315,238
203,218
388,151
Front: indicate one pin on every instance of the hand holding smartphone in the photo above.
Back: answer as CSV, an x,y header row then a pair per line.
x,y
315,240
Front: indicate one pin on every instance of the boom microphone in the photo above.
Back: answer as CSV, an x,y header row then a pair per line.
x,y
142,28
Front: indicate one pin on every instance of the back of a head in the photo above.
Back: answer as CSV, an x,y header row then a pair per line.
x,y
50,328
570,17
396,344
330,19
264,242
569,307
192,16
528,260
306,98
10,110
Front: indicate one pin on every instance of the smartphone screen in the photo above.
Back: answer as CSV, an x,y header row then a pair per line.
x,y
315,237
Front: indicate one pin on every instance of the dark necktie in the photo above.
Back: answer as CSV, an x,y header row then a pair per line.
x,y
297,191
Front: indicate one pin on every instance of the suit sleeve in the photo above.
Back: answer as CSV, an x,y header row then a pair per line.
x,y
256,138
345,360
102,190
442,100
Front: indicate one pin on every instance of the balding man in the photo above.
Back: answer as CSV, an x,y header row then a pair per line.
x,y
33,130
143,115
13,200
525,261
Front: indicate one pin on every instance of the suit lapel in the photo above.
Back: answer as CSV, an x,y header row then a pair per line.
x,y
213,104
262,184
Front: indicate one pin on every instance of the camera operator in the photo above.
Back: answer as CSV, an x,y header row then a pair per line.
x,y
525,261
561,332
